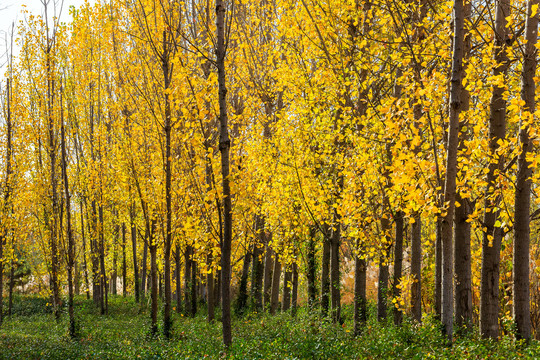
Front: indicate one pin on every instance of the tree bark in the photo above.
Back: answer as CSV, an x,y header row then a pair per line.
x,y
360,300
447,296
294,290
325,276
398,265
210,289
311,269
287,287
136,284
268,270
492,237
257,267
416,268
154,278
521,303
274,299
124,261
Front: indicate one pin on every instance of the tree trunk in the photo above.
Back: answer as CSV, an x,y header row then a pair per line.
x,y
187,280
71,243
178,258
268,269
437,306
124,261
311,269
167,74
287,285
462,266
325,276
334,263
274,300
85,264
154,279
462,228
492,237
257,268
382,290
360,300
521,303
398,265
143,270
447,296
294,290
416,268
210,289
134,248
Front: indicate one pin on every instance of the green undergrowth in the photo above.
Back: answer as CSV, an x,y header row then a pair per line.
x,y
32,333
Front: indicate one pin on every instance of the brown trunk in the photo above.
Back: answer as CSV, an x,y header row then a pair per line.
x,y
85,264
224,148
462,266
71,243
178,259
311,269
124,261
521,303
492,237
325,276
447,288
334,264
154,279
294,290
187,279
398,265
210,289
274,299
416,269
360,300
134,249
382,290
437,307
257,268
268,269
287,285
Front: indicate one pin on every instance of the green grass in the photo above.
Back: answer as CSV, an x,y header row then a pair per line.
x,y
32,333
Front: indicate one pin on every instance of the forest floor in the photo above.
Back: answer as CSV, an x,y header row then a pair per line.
x,y
32,333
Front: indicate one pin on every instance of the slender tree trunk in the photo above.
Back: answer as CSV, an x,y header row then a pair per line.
x,y
187,279
124,261
360,300
462,266
11,285
210,290
287,285
178,259
382,290
257,268
104,288
224,147
437,306
521,303
325,277
416,268
193,289
154,278
447,296
274,300
144,284
85,264
114,274
311,269
398,265
71,243
134,249
268,269
294,289
167,73
492,237
334,263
